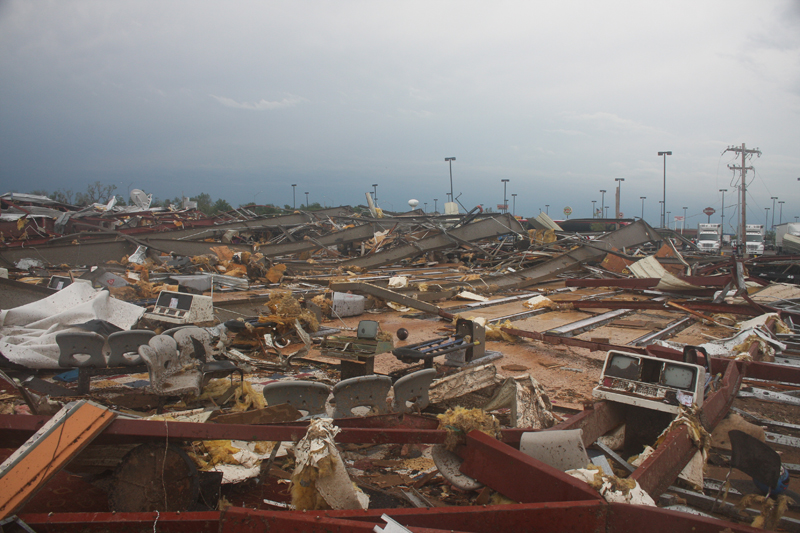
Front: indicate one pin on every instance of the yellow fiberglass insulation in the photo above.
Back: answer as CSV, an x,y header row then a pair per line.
x,y
460,421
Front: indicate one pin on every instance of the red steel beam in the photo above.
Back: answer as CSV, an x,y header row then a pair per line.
x,y
19,426
572,341
517,475
15,429
577,517
747,310
195,522
240,520
625,283
626,518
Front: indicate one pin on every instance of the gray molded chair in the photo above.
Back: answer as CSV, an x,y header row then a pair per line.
x,y
563,449
362,391
124,346
87,345
171,373
306,396
411,391
197,343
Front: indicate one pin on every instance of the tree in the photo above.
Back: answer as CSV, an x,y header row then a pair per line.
x,y
96,192
221,206
204,202
63,196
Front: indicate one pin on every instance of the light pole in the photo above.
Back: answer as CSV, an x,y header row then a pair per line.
x,y
643,198
602,203
547,209
505,201
294,202
766,220
375,193
426,207
664,207
306,200
722,215
435,200
594,209
683,226
773,198
605,211
780,203
668,214
450,160
619,193
514,204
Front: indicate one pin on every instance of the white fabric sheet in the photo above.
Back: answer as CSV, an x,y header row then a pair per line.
x,y
28,333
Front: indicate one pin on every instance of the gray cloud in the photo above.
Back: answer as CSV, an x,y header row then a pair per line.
x,y
261,105
559,98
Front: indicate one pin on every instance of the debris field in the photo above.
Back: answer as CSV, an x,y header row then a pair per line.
x,y
356,369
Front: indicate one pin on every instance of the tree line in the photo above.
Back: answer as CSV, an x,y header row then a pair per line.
x,y
98,192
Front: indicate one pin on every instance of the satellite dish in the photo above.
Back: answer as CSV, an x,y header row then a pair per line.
x,y
413,203
140,199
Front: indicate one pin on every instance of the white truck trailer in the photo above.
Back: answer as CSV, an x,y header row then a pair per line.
x,y
754,239
787,238
709,237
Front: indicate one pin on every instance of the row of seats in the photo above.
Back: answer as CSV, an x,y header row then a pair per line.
x,y
311,398
179,361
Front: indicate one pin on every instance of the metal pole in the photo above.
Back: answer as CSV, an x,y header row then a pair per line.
x,y
450,160
664,207
514,207
434,205
743,234
643,198
594,209
773,211
294,201
722,214
602,203
683,226
375,194
505,200
547,209
766,221
306,200
780,203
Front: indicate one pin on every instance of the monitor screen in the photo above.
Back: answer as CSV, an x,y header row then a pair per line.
x,y
623,366
678,377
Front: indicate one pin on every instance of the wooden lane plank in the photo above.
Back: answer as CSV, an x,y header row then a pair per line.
x,y
48,450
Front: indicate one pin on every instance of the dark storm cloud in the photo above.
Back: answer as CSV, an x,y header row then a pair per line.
x,y
241,99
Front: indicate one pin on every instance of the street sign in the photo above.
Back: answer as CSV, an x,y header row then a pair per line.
x,y
709,211
502,207
568,210
620,215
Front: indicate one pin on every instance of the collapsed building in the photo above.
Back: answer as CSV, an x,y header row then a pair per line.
x,y
354,369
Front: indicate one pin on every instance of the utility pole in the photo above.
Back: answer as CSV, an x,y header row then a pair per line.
x,y
773,210
603,203
744,152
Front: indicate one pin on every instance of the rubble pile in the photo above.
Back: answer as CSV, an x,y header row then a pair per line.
x,y
340,360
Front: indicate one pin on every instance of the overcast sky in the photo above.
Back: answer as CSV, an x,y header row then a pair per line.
x,y
242,99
